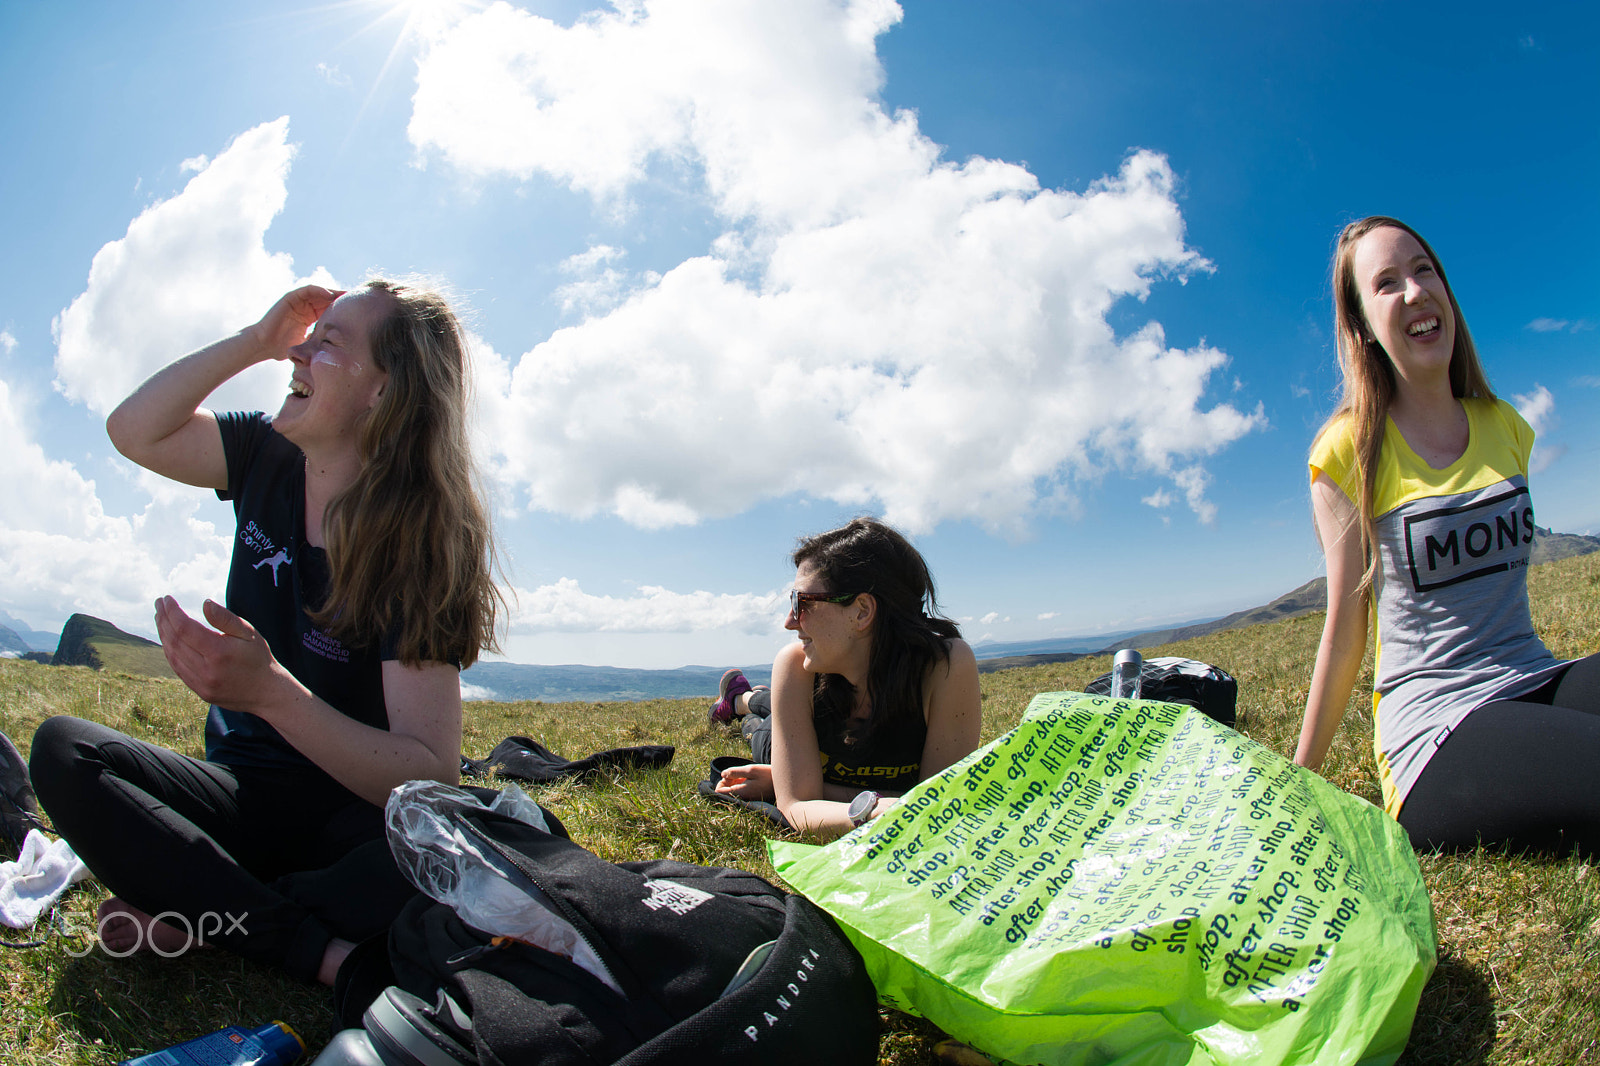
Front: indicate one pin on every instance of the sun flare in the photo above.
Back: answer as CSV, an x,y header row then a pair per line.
x,y
423,18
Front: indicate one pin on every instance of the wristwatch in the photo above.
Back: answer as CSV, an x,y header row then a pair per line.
x,y
862,806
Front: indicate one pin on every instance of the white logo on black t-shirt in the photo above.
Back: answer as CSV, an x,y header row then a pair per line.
x,y
274,561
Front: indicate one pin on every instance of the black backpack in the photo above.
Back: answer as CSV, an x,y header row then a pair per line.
x,y
672,935
1171,679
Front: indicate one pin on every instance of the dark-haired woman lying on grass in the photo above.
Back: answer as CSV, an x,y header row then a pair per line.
x,y
879,693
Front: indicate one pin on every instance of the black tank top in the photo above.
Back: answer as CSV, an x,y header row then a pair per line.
x,y
890,762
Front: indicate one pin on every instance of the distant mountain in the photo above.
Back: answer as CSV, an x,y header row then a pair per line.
x,y
1011,662
12,646
565,684
36,639
1312,596
94,642
1549,547
1054,646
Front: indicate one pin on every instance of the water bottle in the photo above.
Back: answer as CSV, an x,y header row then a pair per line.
x,y
270,1045
401,1030
1125,671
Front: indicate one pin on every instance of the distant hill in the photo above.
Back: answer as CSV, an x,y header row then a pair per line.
x,y
562,684
1011,662
1549,547
90,641
35,639
1054,646
11,643
1312,596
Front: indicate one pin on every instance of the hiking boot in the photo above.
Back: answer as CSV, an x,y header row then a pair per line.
x,y
734,684
19,810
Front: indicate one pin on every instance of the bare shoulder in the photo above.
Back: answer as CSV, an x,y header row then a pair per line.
x,y
791,657
961,661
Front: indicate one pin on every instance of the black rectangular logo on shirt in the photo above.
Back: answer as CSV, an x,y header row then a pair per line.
x,y
1456,544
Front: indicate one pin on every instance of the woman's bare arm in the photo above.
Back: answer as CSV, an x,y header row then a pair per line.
x,y
1344,634
232,666
796,772
162,426
955,710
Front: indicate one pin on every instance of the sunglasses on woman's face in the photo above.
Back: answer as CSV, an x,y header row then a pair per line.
x,y
798,599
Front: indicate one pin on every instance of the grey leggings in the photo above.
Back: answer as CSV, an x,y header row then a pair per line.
x,y
757,725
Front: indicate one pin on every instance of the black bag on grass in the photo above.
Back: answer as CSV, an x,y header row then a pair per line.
x,y
706,965
1171,679
526,759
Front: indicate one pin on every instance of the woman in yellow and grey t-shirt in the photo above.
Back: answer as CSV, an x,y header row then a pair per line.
x,y
1419,487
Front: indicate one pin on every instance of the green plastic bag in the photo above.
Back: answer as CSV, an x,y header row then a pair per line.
x,y
1129,882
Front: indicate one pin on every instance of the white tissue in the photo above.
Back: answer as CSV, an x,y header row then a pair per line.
x,y
37,879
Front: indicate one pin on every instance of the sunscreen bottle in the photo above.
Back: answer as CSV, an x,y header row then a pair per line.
x,y
270,1045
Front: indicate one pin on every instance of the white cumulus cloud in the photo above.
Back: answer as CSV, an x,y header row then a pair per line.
x,y
874,325
564,607
61,552
1539,409
8,343
190,269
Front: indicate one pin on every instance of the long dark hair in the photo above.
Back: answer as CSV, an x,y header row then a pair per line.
x,y
1367,374
909,635
409,542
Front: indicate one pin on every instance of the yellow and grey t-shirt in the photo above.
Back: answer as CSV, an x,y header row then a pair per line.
x,y
1450,608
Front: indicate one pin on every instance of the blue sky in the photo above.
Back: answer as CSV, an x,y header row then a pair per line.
x,y
1045,283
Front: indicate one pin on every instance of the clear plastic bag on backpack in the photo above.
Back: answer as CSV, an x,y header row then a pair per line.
x,y
445,863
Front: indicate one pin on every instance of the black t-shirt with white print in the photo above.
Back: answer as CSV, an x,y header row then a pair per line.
x,y
274,579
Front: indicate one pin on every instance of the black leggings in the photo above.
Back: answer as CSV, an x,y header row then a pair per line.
x,y
1517,774
270,864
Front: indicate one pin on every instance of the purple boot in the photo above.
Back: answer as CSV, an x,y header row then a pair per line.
x,y
734,684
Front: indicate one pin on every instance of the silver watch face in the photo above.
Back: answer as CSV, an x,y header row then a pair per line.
x,y
862,805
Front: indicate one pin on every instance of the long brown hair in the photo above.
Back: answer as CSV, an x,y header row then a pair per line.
x,y
409,542
1368,376
909,634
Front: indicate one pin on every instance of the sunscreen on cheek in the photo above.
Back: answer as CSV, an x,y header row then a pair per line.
x,y
326,358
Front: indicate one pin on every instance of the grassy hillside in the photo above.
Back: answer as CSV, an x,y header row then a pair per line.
x,y
1520,938
90,641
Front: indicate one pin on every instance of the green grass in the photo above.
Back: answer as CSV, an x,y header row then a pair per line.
x,y
1519,937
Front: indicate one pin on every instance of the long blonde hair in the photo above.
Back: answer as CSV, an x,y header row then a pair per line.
x,y
410,545
1368,377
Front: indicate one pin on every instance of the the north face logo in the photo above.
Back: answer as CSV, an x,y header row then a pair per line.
x,y
679,899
